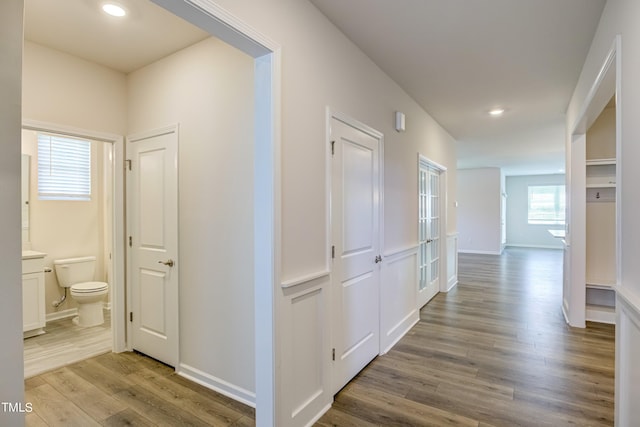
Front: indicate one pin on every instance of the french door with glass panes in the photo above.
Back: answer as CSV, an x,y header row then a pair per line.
x,y
428,232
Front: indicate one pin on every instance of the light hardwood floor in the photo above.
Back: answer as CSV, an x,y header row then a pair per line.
x,y
493,352
65,343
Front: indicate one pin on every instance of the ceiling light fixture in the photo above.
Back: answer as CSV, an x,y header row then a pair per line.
x,y
497,112
114,9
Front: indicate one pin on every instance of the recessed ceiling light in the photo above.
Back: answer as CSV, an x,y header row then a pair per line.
x,y
114,9
497,112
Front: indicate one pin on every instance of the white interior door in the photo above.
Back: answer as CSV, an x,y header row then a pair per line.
x,y
152,216
355,198
429,232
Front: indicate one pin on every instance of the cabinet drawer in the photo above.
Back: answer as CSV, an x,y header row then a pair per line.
x,y
35,265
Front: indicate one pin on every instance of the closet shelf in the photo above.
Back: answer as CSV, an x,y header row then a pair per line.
x,y
605,286
600,162
604,185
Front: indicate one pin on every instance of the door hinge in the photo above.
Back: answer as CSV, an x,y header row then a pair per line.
x,y
130,241
333,354
131,316
128,166
333,143
333,252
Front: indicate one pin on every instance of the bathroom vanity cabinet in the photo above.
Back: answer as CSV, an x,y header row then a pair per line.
x,y
33,300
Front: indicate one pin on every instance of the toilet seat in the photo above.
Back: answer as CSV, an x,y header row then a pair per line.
x,y
89,287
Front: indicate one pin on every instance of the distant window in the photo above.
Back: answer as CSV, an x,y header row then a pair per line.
x,y
546,204
64,168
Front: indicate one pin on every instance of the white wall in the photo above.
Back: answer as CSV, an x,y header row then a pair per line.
x,y
63,89
208,89
11,362
479,198
320,68
519,231
620,17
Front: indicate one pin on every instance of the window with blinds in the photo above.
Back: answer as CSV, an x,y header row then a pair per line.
x,y
64,168
546,204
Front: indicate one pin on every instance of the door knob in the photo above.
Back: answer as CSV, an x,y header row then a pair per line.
x,y
169,262
378,259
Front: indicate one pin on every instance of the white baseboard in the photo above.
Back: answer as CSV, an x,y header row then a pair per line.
x,y
408,324
600,314
517,245
62,314
221,386
319,415
69,312
451,283
471,251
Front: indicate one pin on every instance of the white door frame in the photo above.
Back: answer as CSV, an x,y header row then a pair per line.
x,y
117,273
267,247
443,219
606,84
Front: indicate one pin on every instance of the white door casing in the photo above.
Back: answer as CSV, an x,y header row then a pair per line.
x,y
429,227
355,234
152,220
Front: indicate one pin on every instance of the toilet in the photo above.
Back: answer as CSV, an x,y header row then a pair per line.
x,y
77,274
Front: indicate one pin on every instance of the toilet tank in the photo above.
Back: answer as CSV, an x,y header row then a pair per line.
x,y
70,271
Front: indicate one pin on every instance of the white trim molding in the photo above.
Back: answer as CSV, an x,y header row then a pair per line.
x,y
627,367
469,251
214,383
398,283
452,261
304,279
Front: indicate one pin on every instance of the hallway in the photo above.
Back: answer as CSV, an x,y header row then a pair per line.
x,y
495,351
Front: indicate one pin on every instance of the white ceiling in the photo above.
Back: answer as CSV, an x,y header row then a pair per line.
x,y
460,58
456,58
79,27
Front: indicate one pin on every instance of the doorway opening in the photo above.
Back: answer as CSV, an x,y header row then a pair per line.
x,y
265,216
107,231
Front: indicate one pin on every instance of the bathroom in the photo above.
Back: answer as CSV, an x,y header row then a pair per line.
x,y
63,229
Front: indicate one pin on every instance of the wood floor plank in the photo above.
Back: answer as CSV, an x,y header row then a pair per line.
x,y
241,408
127,417
33,420
209,410
128,389
157,410
56,410
100,376
90,398
385,409
495,350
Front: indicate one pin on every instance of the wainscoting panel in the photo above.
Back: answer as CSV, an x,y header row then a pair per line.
x,y
627,356
306,360
398,296
452,261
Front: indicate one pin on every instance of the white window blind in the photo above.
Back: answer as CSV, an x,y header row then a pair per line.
x,y
64,168
546,204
